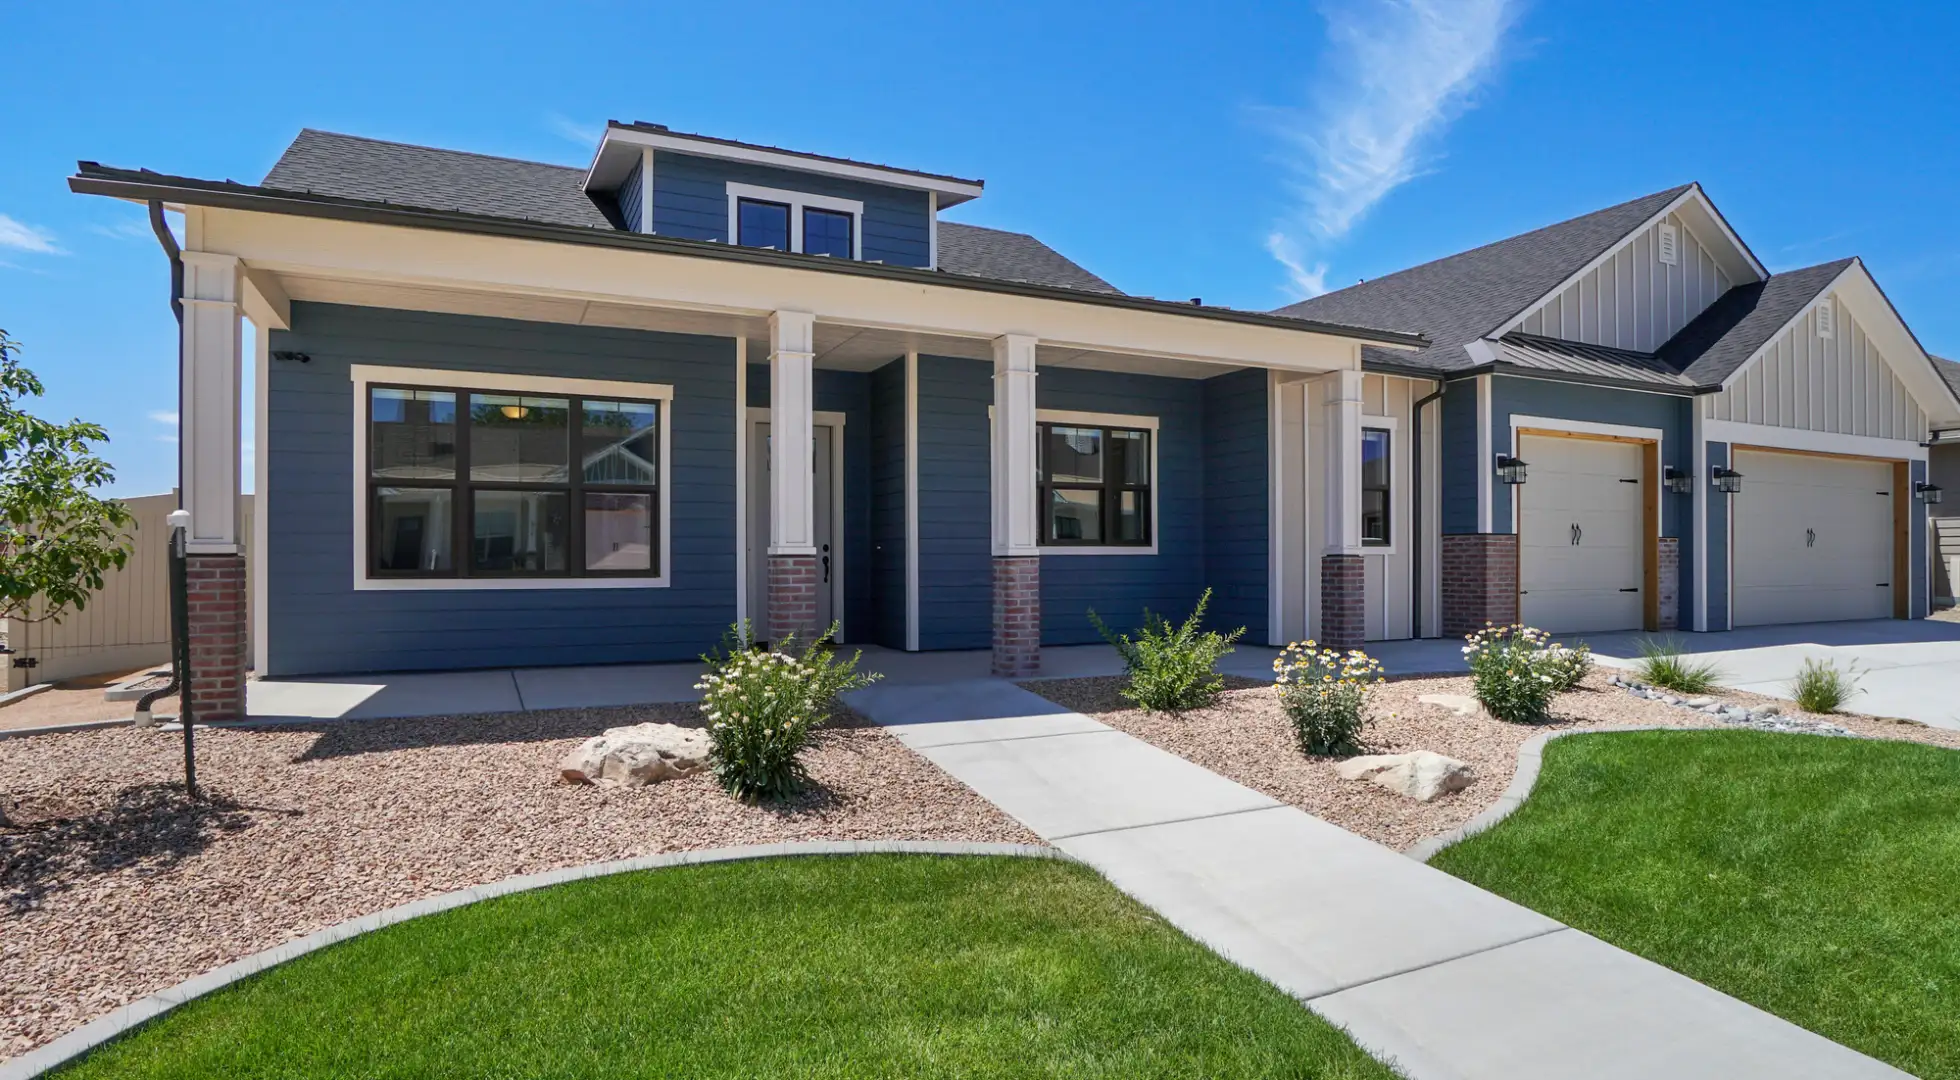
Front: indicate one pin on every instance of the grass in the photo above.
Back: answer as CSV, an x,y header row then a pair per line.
x,y
1812,877
866,966
1822,688
1662,664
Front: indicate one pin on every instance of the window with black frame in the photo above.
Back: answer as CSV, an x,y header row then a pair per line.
x,y
1094,485
762,224
489,484
1376,461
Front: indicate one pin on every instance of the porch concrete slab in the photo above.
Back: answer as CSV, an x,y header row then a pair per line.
x,y
1565,1004
972,710
1311,907
355,697
612,684
1088,782
1420,656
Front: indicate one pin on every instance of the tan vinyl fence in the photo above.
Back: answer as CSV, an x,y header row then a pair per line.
x,y
125,626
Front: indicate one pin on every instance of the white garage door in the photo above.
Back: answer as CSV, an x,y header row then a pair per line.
x,y
1813,539
1580,535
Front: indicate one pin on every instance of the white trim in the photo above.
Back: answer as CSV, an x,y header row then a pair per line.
x,y
1485,461
1820,442
761,414
713,148
741,477
1275,524
797,202
646,189
912,500
256,574
363,374
1115,420
932,230
1587,427
1698,607
1393,426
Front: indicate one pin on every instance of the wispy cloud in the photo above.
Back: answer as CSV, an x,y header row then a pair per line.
x,y
162,416
24,237
1395,75
125,230
586,135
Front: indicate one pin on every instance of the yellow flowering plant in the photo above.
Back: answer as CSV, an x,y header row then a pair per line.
x,y
762,704
1324,693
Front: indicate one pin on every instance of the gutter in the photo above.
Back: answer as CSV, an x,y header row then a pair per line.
x,y
1520,371
94,179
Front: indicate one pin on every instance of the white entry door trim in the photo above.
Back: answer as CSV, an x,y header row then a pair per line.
x,y
834,423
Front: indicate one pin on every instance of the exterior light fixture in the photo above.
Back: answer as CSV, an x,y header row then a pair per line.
x,y
1510,469
514,412
1929,492
1727,481
1678,481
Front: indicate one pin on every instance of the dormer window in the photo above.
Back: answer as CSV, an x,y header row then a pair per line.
x,y
795,221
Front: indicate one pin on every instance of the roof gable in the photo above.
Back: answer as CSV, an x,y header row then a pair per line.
x,y
1464,297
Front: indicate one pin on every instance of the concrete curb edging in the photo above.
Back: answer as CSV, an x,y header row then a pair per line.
x,y
1531,758
115,1023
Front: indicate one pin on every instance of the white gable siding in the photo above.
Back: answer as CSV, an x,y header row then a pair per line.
x,y
1838,384
1633,300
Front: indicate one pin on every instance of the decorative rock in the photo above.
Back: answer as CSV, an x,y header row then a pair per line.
x,y
1762,712
1700,702
1421,775
637,756
1460,704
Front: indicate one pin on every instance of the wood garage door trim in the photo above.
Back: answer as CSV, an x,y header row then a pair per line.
x,y
1650,514
1901,519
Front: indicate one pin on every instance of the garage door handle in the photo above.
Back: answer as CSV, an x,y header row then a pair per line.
x,y
1630,590
1577,533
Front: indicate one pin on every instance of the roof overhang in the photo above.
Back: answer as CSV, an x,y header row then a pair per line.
x,y
622,145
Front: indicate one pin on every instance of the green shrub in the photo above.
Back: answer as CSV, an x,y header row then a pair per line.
x,y
1568,665
1663,665
762,705
1325,695
1821,688
1514,676
1171,668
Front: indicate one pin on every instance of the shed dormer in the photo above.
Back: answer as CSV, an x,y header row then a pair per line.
x,y
702,188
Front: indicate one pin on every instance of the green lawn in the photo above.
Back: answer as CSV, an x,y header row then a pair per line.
x,y
867,966
1816,878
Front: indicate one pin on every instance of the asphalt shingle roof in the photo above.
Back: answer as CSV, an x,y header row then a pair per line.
x,y
1459,299
353,167
1949,370
1721,339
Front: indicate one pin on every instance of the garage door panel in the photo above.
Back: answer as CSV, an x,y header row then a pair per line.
x,y
1581,535
1813,539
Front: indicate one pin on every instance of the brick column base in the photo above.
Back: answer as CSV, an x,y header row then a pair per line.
x,y
1480,581
1017,617
793,598
1668,589
216,594
1343,602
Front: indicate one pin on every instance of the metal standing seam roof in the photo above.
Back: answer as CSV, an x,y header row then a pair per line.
x,y
1530,351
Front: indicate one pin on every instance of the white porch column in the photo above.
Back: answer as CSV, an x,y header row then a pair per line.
x,y
1016,518
792,483
1343,577
208,432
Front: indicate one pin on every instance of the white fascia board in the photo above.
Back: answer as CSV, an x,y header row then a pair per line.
x,y
600,176
1764,436
1691,196
400,256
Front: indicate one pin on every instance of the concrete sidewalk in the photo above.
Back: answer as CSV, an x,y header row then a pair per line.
x,y
1447,980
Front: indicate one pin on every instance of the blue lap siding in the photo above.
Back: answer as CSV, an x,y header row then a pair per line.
x,y
690,199
317,621
1718,541
956,592
1237,500
888,504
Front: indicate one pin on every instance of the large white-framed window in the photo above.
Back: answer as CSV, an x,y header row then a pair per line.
x,y
1096,479
482,480
795,221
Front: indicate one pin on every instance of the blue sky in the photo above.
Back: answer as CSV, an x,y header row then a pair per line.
x,y
1230,151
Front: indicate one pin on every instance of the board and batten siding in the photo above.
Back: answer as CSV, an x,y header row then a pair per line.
x,y
1632,300
690,200
1839,384
318,623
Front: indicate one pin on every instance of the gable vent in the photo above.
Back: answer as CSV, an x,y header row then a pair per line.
x,y
1670,245
1826,318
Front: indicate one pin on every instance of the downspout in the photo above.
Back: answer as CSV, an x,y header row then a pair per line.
x,y
170,250
1418,562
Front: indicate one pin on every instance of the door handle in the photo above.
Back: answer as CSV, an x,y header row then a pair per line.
x,y
826,564
1810,538
1577,534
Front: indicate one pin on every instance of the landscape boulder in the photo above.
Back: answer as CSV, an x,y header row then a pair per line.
x,y
1460,704
1421,775
637,756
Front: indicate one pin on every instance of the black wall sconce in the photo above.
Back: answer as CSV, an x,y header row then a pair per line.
x,y
1929,492
1677,481
1727,481
284,354
1510,469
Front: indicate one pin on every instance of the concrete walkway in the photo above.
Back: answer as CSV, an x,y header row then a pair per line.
x,y
1447,980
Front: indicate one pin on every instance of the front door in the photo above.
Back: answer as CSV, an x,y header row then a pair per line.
x,y
829,551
